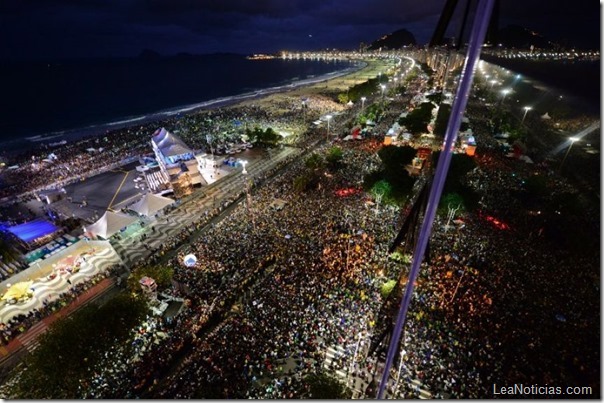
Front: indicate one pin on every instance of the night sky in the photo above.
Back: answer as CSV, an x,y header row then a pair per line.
x,y
53,29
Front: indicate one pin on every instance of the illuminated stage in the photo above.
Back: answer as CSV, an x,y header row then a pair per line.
x,y
33,230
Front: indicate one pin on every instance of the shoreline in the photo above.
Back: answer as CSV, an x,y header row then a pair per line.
x,y
269,98
37,142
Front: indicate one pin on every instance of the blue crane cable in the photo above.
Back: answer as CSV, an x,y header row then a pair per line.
x,y
481,21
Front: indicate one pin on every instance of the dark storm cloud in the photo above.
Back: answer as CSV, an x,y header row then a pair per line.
x,y
62,28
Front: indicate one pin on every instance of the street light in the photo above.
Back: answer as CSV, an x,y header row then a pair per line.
x,y
572,141
493,82
243,164
526,109
354,357
505,92
328,117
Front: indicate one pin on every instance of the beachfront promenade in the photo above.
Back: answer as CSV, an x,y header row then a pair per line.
x,y
198,205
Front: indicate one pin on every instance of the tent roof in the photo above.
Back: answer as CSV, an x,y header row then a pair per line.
x,y
170,144
150,204
109,224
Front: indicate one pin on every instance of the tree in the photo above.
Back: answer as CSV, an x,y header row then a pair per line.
x,y
387,288
300,183
269,136
450,201
395,157
266,137
437,97
253,134
400,257
380,190
426,69
394,173
334,157
370,179
314,161
373,112
324,386
73,347
412,75
400,182
460,165
306,181
400,90
452,210
536,185
442,120
417,120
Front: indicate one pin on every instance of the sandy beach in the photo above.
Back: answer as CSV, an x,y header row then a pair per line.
x,y
278,107
330,88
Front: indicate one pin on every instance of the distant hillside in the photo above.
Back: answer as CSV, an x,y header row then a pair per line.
x,y
515,36
395,40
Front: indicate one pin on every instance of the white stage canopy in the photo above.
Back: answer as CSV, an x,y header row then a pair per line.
x,y
151,204
109,224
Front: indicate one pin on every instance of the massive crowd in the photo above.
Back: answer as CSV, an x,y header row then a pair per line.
x,y
313,279
314,282
273,289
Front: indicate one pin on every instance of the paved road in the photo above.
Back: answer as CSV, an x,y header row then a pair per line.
x,y
131,249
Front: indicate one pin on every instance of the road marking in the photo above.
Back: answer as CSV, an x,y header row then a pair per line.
x,y
130,198
118,190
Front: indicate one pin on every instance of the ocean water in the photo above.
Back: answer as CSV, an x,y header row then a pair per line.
x,y
580,79
51,102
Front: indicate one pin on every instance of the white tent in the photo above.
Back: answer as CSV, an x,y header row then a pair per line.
x,y
170,144
151,204
109,224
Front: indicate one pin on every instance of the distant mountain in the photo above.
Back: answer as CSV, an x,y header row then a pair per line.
x,y
184,56
515,36
395,40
